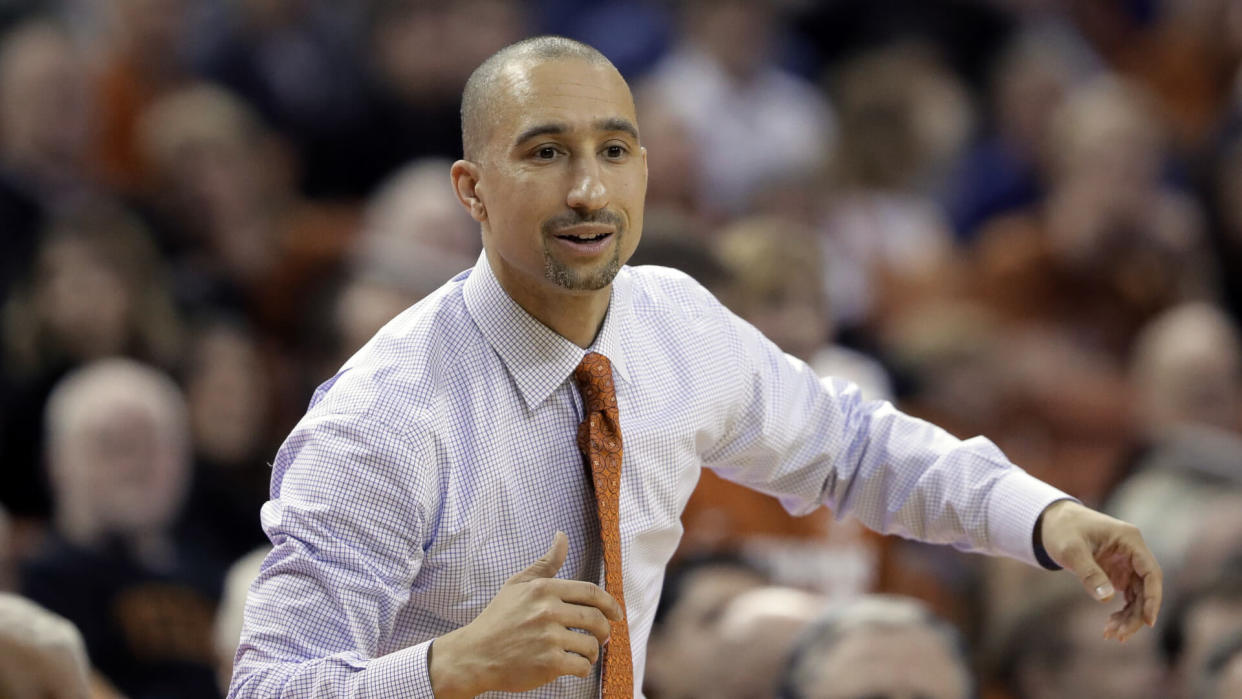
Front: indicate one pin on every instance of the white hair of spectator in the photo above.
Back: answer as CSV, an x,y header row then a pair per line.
x,y
227,631
90,396
41,642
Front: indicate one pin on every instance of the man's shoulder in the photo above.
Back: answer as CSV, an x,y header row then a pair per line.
x,y
401,369
666,290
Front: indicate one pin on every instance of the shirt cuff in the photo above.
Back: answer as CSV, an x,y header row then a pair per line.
x,y
402,673
1017,501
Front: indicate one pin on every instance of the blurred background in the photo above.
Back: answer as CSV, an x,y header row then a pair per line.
x,y
1015,218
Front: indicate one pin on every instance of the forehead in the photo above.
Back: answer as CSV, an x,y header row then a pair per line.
x,y
570,91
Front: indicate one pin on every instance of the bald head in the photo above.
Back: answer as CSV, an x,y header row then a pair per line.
x,y
481,94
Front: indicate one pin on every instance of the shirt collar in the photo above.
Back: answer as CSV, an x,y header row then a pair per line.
x,y
539,359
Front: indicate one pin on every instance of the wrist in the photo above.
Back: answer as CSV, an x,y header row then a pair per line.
x,y
1041,525
450,677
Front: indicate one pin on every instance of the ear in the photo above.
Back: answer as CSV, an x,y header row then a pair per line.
x,y
465,176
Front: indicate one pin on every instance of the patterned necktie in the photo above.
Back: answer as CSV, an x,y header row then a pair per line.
x,y
599,438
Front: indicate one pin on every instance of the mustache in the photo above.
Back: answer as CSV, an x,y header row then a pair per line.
x,y
574,218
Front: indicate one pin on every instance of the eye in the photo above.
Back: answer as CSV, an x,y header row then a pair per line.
x,y
615,151
545,153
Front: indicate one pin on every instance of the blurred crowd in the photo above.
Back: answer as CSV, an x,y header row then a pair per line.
x,y
1015,218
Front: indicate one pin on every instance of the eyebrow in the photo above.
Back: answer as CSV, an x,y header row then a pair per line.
x,y
610,124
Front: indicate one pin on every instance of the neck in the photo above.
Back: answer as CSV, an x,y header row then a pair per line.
x,y
574,315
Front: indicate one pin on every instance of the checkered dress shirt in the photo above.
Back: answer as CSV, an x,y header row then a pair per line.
x,y
442,457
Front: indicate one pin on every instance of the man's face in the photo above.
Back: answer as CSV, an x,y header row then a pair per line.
x,y
561,177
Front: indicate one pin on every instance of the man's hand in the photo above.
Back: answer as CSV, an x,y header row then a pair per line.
x,y
1107,555
523,639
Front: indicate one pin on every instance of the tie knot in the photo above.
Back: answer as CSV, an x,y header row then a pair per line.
x,y
594,379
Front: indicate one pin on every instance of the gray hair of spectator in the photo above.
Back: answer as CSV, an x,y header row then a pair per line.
x,y
96,389
37,628
1222,654
870,612
478,99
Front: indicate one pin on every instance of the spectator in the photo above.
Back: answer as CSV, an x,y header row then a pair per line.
x,y
145,55
1111,246
1006,170
419,56
888,249
1186,373
414,232
750,120
96,289
696,592
44,132
41,653
247,240
1053,650
231,389
755,636
299,63
878,646
118,455
1187,370
778,282
1222,674
1200,619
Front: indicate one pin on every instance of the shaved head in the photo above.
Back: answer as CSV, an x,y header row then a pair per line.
x,y
480,95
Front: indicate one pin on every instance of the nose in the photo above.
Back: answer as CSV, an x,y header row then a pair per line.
x,y
587,193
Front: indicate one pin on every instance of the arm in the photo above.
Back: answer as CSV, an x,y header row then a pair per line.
x,y
348,531
813,442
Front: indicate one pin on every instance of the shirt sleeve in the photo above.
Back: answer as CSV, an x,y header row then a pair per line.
x,y
814,442
347,532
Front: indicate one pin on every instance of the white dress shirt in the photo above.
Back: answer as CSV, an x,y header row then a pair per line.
x,y
442,458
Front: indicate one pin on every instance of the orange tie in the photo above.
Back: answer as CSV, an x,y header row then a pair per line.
x,y
599,438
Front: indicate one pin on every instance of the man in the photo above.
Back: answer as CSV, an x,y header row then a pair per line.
x,y
408,505
878,646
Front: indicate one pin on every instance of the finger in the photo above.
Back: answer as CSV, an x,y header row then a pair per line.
x,y
1153,582
580,643
1123,623
590,619
588,594
1079,561
573,664
548,564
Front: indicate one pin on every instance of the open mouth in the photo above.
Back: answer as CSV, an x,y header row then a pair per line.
x,y
584,237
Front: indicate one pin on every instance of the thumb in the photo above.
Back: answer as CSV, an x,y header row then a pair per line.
x,y
1080,562
548,564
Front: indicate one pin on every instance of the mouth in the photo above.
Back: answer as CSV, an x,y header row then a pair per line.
x,y
586,235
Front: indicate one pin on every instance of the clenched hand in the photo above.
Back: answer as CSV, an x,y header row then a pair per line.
x,y
524,638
